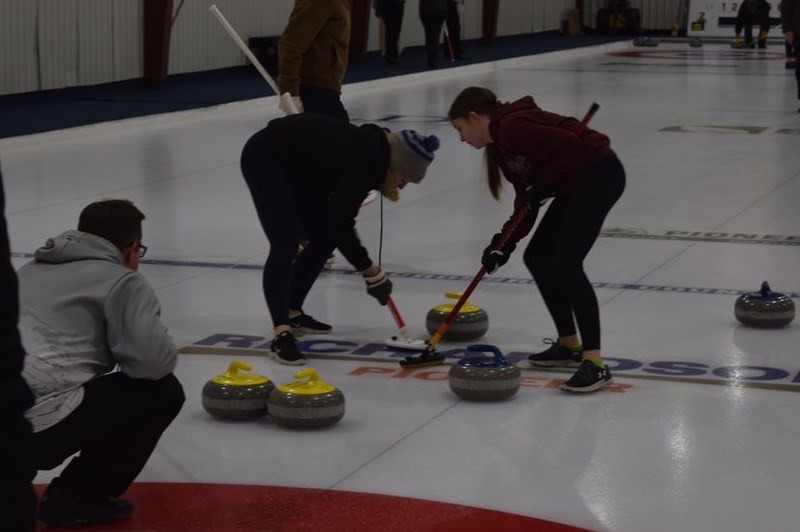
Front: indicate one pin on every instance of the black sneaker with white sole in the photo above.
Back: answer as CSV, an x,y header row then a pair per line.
x,y
589,378
284,350
305,324
556,356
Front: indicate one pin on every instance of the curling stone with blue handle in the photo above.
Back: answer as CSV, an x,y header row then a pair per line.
x,y
470,323
309,403
235,395
764,308
484,378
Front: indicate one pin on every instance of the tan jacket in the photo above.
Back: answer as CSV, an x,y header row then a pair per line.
x,y
314,45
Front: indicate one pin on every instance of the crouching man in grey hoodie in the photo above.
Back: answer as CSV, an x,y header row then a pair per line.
x,y
99,362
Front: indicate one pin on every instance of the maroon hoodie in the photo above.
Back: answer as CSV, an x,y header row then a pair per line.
x,y
540,149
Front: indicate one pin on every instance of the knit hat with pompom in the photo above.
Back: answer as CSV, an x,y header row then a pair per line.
x,y
411,153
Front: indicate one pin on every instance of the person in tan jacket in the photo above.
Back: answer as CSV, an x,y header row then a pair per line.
x,y
312,56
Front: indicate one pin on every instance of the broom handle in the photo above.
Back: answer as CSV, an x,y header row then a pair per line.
x,y
515,221
445,325
396,315
285,97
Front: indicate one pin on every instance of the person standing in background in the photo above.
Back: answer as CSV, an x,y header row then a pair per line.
x,y
312,61
752,12
391,13
432,13
312,56
454,49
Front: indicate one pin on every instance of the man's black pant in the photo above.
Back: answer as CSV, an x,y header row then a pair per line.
x,y
453,22
115,428
432,21
392,14
323,102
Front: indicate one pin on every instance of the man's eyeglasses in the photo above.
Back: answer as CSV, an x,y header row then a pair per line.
x,y
142,249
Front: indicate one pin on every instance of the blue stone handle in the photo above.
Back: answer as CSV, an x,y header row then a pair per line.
x,y
486,348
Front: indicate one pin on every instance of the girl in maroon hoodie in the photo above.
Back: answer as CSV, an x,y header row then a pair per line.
x,y
542,155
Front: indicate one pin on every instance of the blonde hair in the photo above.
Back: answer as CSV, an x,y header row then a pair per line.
x,y
390,187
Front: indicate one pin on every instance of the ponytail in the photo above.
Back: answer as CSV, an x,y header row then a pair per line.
x,y
483,102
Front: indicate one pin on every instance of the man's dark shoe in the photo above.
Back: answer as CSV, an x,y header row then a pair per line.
x,y
57,510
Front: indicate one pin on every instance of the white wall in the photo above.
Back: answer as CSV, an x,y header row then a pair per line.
x,y
49,44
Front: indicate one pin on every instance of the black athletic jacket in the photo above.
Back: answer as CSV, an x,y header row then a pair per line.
x,y
334,163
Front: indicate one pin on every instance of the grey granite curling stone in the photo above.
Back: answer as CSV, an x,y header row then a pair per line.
x,y
764,308
310,403
234,395
484,378
470,323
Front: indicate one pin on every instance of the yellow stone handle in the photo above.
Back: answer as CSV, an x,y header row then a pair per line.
x,y
311,373
235,366
314,384
452,295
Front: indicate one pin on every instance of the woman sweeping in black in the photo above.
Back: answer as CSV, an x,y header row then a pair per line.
x,y
313,172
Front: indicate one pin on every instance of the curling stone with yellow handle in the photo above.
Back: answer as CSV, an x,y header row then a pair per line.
x,y
235,395
470,323
764,309
482,378
308,403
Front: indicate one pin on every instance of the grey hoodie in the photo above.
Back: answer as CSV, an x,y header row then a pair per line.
x,y
83,313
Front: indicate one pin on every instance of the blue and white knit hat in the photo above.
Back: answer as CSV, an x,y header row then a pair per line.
x,y
411,153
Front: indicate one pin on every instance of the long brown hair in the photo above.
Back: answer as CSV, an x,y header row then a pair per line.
x,y
483,102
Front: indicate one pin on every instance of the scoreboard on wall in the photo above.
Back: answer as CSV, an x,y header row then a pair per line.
x,y
716,18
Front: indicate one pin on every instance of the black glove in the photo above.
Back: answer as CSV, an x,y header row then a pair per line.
x,y
535,197
493,258
379,286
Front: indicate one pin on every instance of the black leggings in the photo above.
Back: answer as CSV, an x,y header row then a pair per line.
x,y
561,242
288,276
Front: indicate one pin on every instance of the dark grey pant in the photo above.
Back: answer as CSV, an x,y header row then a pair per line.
x,y
115,428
